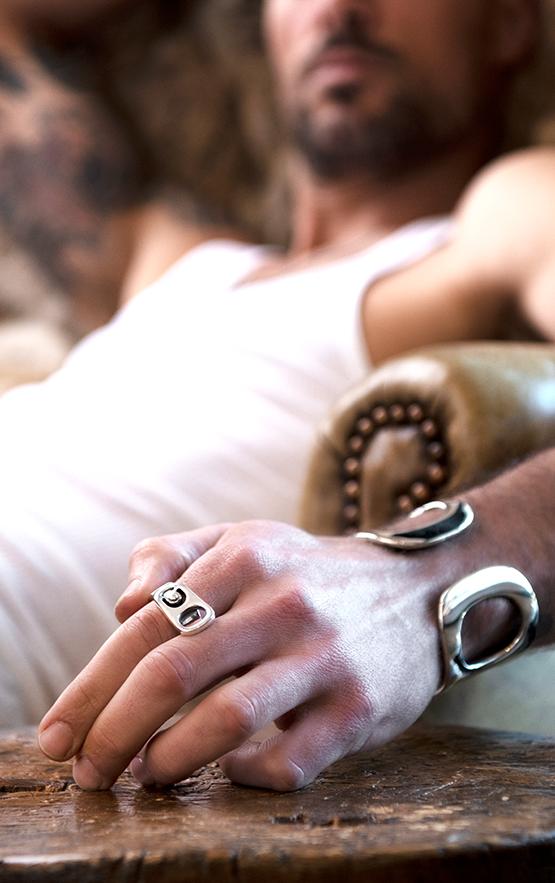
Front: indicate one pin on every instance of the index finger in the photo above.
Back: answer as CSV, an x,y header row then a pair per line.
x,y
64,727
160,560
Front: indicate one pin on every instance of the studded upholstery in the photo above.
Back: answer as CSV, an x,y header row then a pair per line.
x,y
427,425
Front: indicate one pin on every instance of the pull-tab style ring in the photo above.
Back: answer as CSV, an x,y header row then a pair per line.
x,y
184,609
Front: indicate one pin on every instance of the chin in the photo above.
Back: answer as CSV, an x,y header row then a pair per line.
x,y
334,118
350,101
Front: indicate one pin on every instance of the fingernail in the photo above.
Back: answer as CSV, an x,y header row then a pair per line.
x,y
87,776
56,741
140,770
133,586
131,589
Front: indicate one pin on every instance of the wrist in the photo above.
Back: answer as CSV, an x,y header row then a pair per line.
x,y
484,615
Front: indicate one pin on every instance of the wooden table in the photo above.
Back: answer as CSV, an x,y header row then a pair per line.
x,y
436,805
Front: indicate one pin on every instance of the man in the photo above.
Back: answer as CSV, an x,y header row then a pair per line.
x,y
389,121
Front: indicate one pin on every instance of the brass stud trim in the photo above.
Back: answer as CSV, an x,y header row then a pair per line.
x,y
364,426
397,414
352,489
380,415
356,444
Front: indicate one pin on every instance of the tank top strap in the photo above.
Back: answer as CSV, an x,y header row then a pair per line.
x,y
401,248
221,262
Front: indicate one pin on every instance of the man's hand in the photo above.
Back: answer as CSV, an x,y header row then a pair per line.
x,y
332,639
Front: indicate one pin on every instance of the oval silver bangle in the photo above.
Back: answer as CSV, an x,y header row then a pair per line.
x,y
455,602
499,581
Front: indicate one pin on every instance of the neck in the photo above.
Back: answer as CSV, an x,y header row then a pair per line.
x,y
338,213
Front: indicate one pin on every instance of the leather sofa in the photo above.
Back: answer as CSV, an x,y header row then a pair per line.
x,y
428,424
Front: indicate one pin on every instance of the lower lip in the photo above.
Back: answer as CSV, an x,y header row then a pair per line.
x,y
343,71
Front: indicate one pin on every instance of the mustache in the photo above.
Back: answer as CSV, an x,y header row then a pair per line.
x,y
350,38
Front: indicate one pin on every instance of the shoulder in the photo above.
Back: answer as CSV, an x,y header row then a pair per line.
x,y
162,238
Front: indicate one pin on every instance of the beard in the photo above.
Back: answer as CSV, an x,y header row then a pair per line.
x,y
409,134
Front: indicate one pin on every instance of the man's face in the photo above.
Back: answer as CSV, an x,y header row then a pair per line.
x,y
381,85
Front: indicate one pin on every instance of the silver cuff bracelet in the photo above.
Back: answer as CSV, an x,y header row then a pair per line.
x,y
455,602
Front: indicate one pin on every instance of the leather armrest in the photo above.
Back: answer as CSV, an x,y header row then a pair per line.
x,y
427,425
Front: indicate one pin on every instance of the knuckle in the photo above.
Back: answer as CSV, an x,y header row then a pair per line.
x,y
169,669
295,604
237,713
360,709
252,527
146,627
357,714
87,701
106,746
152,547
248,558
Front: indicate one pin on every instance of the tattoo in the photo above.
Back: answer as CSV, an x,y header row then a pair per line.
x,y
68,165
61,187
84,134
10,79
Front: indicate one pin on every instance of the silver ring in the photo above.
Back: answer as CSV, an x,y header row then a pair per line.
x,y
186,611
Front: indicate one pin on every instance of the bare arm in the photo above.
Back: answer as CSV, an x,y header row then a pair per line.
x,y
499,261
505,238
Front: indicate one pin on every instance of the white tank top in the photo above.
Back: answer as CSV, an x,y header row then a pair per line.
x,y
198,403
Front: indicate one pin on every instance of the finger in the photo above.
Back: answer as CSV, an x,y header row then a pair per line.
x,y
292,759
224,720
159,560
64,727
157,688
74,713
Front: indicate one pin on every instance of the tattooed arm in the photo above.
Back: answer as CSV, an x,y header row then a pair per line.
x,y
77,184
70,179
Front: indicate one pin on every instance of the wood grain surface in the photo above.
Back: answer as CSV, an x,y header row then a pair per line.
x,y
438,804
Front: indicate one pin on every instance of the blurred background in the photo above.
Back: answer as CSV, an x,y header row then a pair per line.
x,y
117,117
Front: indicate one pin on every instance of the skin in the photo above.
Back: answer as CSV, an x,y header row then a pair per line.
x,y
333,639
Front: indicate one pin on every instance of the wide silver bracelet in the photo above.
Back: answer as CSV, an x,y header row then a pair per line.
x,y
451,520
